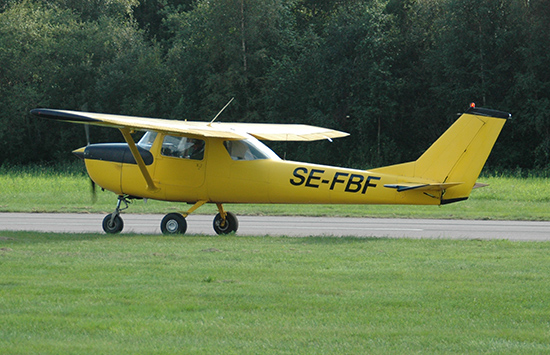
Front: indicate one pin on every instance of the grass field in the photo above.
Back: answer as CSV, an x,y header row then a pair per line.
x,y
138,294
45,190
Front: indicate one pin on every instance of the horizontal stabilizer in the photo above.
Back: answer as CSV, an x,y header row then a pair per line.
x,y
422,187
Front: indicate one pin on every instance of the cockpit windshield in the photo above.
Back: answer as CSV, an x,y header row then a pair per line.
x,y
146,142
249,149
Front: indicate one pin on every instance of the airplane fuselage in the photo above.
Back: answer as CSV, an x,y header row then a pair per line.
x,y
219,175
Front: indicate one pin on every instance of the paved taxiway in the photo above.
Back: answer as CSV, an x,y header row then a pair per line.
x,y
291,226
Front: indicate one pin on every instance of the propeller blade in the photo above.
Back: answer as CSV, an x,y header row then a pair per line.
x,y
93,189
87,130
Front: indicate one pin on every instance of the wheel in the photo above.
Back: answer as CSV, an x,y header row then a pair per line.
x,y
231,223
173,223
114,227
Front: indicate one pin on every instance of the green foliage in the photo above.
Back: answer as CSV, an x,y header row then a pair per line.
x,y
224,49
393,73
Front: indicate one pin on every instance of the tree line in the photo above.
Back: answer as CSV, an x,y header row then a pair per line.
x,y
393,73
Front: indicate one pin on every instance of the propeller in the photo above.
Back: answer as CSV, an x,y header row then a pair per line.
x,y
94,193
87,130
92,183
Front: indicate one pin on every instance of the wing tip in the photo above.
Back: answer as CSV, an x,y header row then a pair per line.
x,y
71,116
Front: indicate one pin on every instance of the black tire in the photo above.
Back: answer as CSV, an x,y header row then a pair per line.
x,y
231,223
115,227
173,223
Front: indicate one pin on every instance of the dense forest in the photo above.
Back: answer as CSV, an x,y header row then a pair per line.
x,y
393,73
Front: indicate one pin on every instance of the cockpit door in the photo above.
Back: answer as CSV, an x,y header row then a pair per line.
x,y
181,166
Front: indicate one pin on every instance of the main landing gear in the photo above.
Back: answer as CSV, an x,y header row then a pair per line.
x,y
172,223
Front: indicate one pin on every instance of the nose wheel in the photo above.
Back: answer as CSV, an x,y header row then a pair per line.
x,y
112,223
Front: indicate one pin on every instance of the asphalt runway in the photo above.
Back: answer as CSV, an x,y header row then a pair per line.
x,y
291,226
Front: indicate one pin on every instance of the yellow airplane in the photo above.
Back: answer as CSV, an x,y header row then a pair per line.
x,y
213,162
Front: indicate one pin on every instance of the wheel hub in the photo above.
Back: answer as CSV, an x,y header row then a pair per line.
x,y
172,226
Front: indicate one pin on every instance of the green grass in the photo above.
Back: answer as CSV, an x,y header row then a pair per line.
x,y
138,294
68,190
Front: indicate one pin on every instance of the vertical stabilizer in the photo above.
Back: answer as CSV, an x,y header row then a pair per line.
x,y
458,155
470,150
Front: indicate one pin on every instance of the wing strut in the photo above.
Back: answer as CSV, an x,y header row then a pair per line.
x,y
139,160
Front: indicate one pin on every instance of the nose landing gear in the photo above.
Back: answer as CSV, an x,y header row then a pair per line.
x,y
112,223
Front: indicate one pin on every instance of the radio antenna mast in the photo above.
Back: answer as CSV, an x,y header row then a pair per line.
x,y
227,104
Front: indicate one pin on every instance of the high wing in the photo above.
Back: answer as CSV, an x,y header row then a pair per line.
x,y
262,131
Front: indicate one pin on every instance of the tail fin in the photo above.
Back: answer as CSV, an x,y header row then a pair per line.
x,y
457,157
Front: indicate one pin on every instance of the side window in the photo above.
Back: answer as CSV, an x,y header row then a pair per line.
x,y
183,147
244,150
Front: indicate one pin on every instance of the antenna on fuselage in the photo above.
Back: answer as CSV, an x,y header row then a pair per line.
x,y
227,104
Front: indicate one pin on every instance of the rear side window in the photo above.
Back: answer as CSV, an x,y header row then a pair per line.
x,y
248,149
